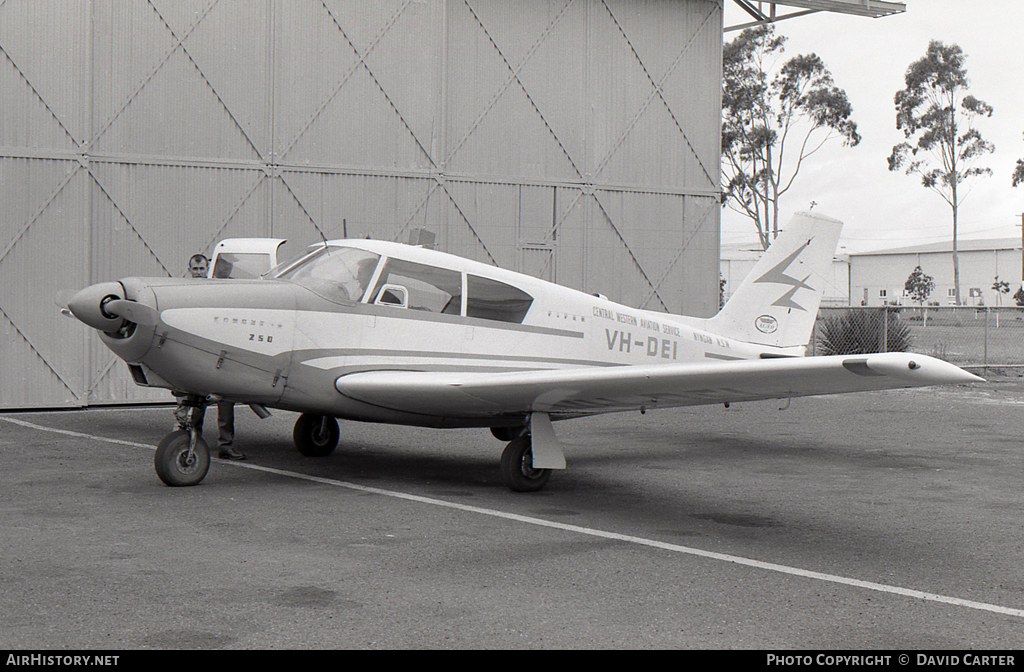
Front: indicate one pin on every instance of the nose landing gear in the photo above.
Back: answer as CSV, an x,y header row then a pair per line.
x,y
183,457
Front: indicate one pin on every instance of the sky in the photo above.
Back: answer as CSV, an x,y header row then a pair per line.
x,y
868,59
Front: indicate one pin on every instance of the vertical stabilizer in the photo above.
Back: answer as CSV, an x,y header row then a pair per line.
x,y
777,303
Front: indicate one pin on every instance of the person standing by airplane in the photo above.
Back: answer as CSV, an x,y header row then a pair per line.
x,y
198,267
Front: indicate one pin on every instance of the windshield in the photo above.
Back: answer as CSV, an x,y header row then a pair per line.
x,y
335,273
286,265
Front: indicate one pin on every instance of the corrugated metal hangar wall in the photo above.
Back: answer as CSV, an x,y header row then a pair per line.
x,y
575,140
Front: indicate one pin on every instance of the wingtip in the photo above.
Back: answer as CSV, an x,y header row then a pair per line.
x,y
922,369
974,378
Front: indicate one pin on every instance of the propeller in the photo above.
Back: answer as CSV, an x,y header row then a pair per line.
x,y
61,298
133,311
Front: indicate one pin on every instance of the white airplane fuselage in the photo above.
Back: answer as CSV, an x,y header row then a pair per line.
x,y
383,332
281,345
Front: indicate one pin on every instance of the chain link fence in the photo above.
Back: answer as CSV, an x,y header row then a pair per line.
x,y
971,337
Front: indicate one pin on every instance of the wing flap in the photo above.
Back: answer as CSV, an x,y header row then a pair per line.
x,y
597,390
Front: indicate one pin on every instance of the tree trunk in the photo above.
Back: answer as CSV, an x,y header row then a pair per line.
x,y
775,217
954,182
956,255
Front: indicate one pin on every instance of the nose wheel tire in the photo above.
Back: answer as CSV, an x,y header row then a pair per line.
x,y
175,466
316,435
517,467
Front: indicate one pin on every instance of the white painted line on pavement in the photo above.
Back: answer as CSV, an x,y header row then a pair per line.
x,y
626,538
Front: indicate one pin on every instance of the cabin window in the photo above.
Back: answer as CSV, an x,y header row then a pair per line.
x,y
335,273
427,288
492,300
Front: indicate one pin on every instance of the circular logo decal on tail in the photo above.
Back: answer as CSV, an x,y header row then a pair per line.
x,y
766,324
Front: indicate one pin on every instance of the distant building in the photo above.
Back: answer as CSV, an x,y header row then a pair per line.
x,y
878,277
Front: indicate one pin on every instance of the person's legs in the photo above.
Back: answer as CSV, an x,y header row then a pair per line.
x,y
226,431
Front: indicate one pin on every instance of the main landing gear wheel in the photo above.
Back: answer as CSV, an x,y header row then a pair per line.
x,y
175,465
517,466
316,435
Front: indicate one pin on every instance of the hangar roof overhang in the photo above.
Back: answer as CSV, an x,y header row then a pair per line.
x,y
767,11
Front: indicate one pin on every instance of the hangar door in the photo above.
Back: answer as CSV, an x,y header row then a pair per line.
x,y
574,140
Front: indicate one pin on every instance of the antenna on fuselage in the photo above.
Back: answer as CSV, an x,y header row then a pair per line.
x,y
320,231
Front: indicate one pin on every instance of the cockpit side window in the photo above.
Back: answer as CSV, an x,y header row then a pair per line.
x,y
492,300
432,289
335,273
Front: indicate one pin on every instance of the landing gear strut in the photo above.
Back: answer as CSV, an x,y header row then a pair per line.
x,y
183,457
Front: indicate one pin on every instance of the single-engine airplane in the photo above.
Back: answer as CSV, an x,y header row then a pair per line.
x,y
384,332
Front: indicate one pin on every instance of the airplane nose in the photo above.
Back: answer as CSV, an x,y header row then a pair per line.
x,y
88,305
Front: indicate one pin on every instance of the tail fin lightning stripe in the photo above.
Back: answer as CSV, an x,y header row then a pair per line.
x,y
777,275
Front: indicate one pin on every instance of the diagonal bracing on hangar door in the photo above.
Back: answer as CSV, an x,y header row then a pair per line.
x,y
105,171
657,91
586,187
512,79
82,161
361,65
514,76
11,244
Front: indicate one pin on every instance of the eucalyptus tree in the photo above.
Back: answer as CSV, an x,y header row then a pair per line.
x,y
937,110
775,114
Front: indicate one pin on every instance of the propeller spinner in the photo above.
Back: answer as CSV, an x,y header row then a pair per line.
x,y
92,306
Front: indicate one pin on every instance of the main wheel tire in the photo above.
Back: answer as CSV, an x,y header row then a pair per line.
x,y
517,467
316,435
172,462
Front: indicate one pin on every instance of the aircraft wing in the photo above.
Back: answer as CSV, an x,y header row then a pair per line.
x,y
622,388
